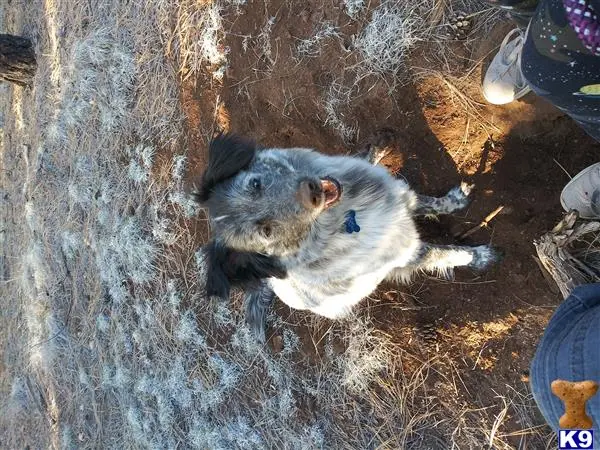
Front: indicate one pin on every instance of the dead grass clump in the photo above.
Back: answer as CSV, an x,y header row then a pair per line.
x,y
354,7
337,98
365,356
570,253
384,43
312,46
193,33
263,43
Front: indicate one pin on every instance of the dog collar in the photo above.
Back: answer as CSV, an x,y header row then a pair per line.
x,y
350,222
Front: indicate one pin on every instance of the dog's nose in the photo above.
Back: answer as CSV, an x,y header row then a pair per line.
x,y
310,193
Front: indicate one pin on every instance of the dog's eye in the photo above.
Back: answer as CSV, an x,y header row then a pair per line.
x,y
255,184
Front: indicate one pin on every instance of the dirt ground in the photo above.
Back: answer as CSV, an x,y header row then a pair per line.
x,y
518,156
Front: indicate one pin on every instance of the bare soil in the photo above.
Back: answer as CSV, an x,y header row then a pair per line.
x,y
517,155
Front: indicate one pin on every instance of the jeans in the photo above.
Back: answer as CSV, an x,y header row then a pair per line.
x,y
569,350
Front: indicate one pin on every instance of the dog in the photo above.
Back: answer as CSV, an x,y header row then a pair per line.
x,y
320,232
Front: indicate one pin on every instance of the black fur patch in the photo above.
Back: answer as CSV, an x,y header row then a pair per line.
x,y
228,268
228,154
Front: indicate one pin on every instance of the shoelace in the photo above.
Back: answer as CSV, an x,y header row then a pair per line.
x,y
514,56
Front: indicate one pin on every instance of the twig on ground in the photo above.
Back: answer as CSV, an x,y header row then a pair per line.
x,y
484,223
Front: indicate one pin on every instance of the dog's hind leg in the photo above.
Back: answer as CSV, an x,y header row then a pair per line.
x,y
376,154
441,259
258,303
381,144
455,200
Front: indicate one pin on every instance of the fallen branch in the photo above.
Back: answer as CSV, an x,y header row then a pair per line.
x,y
484,223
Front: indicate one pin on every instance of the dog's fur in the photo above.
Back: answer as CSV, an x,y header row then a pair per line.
x,y
270,242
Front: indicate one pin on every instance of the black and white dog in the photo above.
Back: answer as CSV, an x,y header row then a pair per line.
x,y
320,232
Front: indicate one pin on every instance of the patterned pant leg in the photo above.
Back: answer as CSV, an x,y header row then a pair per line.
x,y
559,68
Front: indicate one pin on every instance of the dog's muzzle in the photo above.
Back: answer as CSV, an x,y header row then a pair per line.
x,y
323,193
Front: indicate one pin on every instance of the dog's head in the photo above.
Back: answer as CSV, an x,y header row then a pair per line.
x,y
263,201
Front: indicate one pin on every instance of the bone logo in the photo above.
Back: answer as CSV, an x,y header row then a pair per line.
x,y
575,424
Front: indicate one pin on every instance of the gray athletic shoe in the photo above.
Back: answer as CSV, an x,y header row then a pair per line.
x,y
504,81
582,193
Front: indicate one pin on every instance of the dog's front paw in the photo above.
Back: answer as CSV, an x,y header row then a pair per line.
x,y
458,196
484,256
466,188
258,304
380,144
256,319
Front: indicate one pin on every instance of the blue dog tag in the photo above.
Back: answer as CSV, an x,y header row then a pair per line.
x,y
350,223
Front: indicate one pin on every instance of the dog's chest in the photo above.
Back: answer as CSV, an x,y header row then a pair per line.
x,y
358,243
349,252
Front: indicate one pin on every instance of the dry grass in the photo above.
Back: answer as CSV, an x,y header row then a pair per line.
x,y
106,340
336,99
570,253
312,46
384,51
392,30
385,41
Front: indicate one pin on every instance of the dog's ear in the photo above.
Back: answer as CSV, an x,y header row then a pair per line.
x,y
217,284
247,269
228,154
231,268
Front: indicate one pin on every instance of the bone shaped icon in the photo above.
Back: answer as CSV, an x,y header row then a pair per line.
x,y
575,395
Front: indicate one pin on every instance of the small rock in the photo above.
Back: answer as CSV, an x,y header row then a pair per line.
x,y
277,343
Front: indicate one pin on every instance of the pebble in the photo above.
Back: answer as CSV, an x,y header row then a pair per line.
x,y
277,343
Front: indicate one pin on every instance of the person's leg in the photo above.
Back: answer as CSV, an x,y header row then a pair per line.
x,y
558,67
569,350
590,122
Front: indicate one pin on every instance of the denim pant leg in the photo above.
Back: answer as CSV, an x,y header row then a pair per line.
x,y
569,350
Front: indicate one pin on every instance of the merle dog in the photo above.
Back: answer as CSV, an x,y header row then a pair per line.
x,y
320,232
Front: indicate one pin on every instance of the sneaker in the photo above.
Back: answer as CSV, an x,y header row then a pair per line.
x,y
582,193
504,81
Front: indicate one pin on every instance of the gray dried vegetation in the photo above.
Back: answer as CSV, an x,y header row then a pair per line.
x,y
569,253
382,50
106,340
